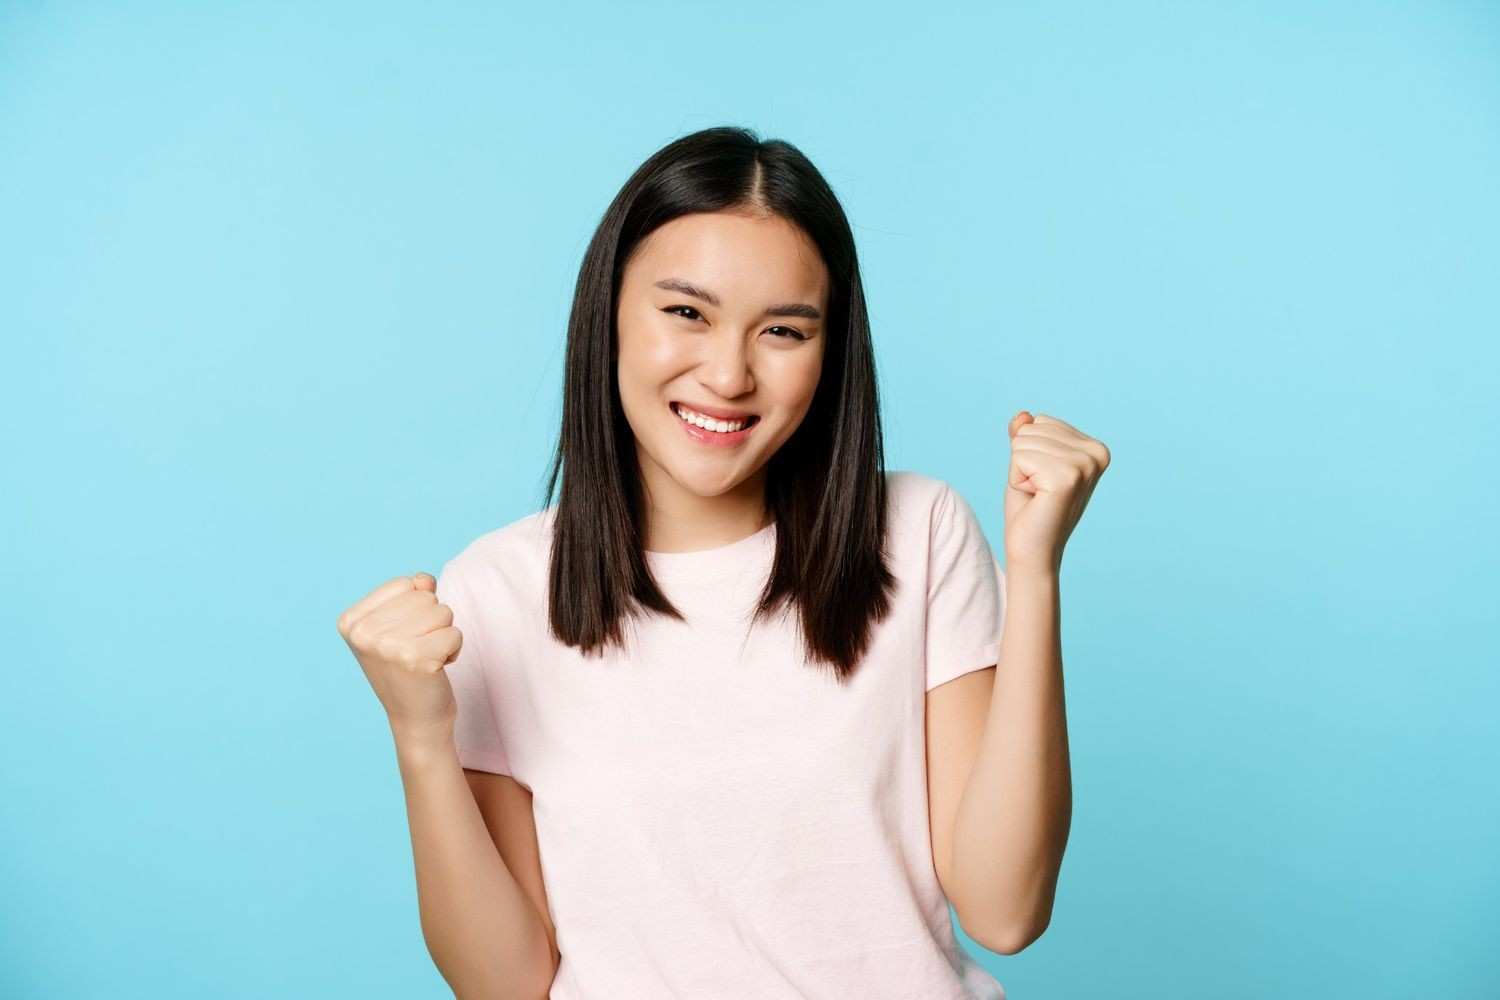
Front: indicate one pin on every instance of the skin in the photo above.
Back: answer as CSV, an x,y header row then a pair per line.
x,y
676,346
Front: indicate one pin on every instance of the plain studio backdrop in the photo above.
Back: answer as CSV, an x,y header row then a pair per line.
x,y
283,294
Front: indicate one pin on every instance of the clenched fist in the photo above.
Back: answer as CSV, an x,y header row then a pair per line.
x,y
403,638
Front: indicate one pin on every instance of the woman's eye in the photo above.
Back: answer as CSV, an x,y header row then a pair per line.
x,y
790,334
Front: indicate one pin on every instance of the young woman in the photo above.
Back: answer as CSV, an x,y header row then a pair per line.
x,y
725,720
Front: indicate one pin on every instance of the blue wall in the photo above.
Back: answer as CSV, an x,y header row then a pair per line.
x,y
282,298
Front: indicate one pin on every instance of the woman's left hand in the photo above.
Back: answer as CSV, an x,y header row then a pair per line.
x,y
1053,470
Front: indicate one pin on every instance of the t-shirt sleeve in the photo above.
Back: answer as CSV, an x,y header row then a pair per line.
x,y
965,593
475,732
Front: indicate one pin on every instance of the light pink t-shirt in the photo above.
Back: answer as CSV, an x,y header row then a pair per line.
x,y
716,818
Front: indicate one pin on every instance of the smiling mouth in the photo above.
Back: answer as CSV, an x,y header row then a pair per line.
x,y
747,422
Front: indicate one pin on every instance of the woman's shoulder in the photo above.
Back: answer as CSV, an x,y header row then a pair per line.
x,y
516,550
925,505
911,492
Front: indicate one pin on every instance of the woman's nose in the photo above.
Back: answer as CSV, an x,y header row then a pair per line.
x,y
726,368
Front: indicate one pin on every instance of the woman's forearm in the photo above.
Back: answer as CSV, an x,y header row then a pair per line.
x,y
1013,817
480,927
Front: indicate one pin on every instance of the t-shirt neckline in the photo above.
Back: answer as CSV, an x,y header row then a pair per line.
x,y
713,556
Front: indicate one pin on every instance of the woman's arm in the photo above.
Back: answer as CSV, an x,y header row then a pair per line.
x,y
1011,826
483,932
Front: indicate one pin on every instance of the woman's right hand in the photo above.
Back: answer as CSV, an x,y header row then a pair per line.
x,y
403,638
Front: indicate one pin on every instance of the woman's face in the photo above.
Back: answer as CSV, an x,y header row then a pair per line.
x,y
722,313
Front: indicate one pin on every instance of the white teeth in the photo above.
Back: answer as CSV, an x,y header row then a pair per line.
x,y
709,423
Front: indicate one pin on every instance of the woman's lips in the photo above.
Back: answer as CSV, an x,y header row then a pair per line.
x,y
714,438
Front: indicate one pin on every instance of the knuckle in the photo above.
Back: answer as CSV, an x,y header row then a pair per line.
x,y
358,635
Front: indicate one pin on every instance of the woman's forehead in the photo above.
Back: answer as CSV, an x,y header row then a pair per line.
x,y
731,257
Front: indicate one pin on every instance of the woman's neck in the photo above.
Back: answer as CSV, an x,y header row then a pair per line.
x,y
680,520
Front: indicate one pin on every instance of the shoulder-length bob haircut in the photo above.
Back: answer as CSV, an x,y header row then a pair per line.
x,y
825,486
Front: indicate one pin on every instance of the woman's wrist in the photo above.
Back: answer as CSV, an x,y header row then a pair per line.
x,y
1018,568
420,745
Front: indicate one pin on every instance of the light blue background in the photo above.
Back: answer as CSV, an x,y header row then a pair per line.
x,y
284,291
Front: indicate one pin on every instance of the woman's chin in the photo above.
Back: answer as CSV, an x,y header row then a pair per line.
x,y
709,477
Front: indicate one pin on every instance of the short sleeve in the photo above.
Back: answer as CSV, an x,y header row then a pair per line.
x,y
965,593
475,732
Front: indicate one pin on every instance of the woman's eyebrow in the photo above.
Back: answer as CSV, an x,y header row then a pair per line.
x,y
783,309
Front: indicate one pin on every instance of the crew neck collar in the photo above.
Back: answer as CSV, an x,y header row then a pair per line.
x,y
718,553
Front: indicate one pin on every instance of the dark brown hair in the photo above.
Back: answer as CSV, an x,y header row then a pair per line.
x,y
825,486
